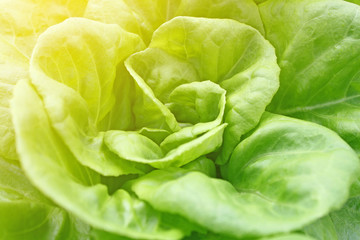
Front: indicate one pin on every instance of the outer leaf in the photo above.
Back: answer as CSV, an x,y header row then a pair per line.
x,y
355,188
102,48
322,229
347,219
343,224
21,22
318,49
278,176
7,139
55,171
84,55
226,52
144,18
26,214
13,66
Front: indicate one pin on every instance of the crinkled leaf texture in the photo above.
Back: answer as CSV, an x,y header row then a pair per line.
x,y
97,111
144,17
56,172
76,110
75,78
87,56
279,182
185,145
21,23
343,224
233,55
25,214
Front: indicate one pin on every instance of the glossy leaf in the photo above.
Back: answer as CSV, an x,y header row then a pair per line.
x,y
343,224
21,23
226,52
54,170
201,105
279,182
318,47
143,18
78,91
39,218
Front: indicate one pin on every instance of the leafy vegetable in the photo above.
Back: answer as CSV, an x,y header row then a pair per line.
x,y
201,119
143,18
318,56
278,181
39,218
72,185
22,21
233,55
341,224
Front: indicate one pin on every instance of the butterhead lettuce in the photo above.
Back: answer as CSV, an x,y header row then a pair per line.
x,y
179,119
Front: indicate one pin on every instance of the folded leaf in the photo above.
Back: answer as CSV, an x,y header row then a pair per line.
x,y
84,55
78,91
21,22
279,182
25,214
226,52
198,103
55,171
134,147
202,164
143,18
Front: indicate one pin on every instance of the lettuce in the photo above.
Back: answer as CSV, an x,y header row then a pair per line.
x,y
202,119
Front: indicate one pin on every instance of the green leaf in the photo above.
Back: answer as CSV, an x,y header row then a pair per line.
x,y
21,22
196,99
293,236
7,135
14,65
288,155
279,182
75,79
202,164
212,236
318,47
322,229
156,135
143,18
134,147
25,214
197,102
226,52
354,1
347,219
198,105
56,172
343,224
84,55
